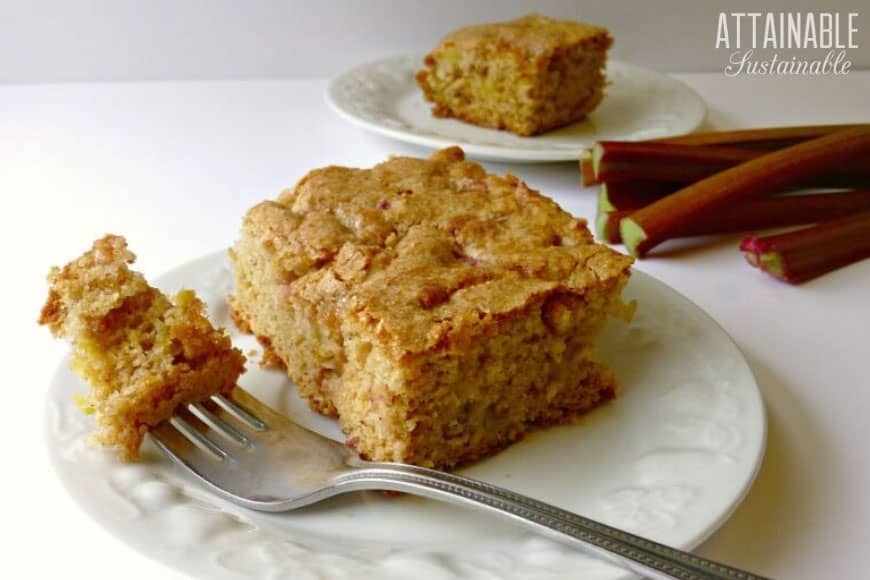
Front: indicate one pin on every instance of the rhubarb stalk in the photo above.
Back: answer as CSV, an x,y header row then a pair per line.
x,y
753,214
587,171
616,161
632,194
762,138
625,160
806,253
775,171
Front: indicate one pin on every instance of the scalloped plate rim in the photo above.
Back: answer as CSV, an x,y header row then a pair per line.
x,y
692,118
639,278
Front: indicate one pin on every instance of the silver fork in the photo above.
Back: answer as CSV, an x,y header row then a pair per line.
x,y
256,457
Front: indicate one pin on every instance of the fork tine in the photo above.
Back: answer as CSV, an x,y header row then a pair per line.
x,y
219,425
198,439
240,412
171,440
178,445
285,464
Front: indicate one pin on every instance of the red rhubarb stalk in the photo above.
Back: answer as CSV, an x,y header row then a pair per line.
x,y
607,225
806,253
624,160
616,161
587,171
761,138
632,194
775,171
754,214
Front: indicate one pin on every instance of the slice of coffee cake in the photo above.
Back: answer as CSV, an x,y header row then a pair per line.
x,y
528,75
439,311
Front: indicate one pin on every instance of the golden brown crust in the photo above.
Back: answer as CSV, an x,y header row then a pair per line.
x,y
535,35
419,250
395,295
142,354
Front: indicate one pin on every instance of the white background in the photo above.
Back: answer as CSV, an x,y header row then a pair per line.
x,y
97,40
174,166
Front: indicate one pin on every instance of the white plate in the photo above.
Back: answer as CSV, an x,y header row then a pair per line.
x,y
639,104
670,459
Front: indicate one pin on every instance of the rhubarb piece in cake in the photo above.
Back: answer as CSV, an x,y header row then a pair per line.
x,y
142,353
438,311
528,75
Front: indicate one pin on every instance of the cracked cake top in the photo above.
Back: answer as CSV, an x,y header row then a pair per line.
x,y
533,34
425,253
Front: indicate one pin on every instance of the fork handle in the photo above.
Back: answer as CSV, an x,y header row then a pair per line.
x,y
640,555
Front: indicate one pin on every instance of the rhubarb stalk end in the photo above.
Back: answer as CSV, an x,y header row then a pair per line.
x,y
632,236
604,229
597,154
604,200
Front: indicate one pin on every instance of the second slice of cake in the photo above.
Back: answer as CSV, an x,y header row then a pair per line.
x,y
439,311
528,75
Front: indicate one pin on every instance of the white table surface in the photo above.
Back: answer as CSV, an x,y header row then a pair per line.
x,y
173,166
